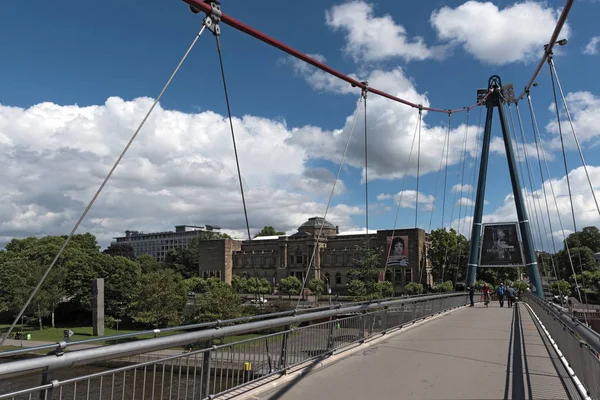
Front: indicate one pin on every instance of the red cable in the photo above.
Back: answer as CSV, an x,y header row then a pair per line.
x,y
234,23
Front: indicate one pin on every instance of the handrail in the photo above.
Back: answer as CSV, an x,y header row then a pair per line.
x,y
587,335
88,356
63,345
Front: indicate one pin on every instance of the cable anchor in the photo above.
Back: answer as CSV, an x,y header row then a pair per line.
x,y
365,90
211,21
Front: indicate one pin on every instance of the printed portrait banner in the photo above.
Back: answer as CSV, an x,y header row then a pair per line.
x,y
500,246
397,248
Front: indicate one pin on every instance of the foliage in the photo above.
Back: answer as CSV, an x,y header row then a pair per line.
x,y
520,286
448,254
158,299
120,249
317,286
561,287
249,285
147,263
269,231
443,287
219,303
588,237
290,286
187,261
368,262
413,288
357,288
581,257
385,288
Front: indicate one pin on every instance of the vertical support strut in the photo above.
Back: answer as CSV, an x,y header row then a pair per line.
x,y
495,100
479,198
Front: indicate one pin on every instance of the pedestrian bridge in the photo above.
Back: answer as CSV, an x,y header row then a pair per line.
x,y
424,347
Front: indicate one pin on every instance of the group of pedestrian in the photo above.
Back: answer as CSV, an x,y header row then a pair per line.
x,y
501,292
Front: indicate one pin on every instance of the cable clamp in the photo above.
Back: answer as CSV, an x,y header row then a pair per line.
x,y
212,20
365,90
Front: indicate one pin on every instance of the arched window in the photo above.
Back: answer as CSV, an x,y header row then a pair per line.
x,y
338,279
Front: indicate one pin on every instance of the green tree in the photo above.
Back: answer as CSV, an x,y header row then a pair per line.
x,y
159,299
588,237
269,231
316,286
448,254
258,286
520,286
446,286
357,288
120,249
290,286
582,258
413,288
219,303
561,287
239,284
368,263
385,288
147,263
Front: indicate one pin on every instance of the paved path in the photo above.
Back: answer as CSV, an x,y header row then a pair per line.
x,y
473,353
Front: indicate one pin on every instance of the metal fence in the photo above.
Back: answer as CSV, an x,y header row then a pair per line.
x,y
577,343
145,370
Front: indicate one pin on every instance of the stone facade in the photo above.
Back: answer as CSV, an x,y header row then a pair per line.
x,y
282,256
215,258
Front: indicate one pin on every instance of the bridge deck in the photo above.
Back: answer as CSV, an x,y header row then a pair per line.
x,y
473,353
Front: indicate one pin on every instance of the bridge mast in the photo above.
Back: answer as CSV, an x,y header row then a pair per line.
x,y
496,99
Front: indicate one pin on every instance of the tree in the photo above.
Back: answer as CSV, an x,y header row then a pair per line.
x,y
368,262
269,231
581,257
147,263
445,287
239,284
290,286
219,303
588,237
159,299
357,288
448,253
384,289
120,249
186,261
561,287
413,288
316,286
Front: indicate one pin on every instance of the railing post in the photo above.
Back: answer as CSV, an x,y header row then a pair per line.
x,y
284,348
363,327
47,394
206,370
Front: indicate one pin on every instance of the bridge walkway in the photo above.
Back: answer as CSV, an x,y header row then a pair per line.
x,y
472,353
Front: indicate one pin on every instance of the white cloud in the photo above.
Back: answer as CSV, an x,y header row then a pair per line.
x,y
372,38
584,108
586,213
592,47
408,199
496,36
463,189
465,201
181,169
391,129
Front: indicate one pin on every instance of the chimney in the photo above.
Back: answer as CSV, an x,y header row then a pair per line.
x,y
337,229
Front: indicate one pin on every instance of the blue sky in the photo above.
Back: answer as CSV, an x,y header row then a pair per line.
x,y
62,61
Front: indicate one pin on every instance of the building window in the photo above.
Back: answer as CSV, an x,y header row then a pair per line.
x,y
328,278
257,261
338,279
398,276
350,259
388,276
408,275
267,261
292,259
339,259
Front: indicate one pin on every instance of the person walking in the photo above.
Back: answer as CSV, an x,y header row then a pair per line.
x,y
500,293
487,294
510,294
471,295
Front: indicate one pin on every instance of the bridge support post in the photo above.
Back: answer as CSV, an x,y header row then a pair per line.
x,y
495,99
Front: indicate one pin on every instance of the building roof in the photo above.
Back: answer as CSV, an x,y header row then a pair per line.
x,y
349,233
316,222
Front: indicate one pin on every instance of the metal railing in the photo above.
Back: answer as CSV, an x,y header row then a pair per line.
x,y
147,369
577,344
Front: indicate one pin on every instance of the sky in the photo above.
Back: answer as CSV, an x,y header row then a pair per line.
x,y
77,81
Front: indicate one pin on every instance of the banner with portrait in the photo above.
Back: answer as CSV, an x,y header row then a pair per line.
x,y
397,248
501,246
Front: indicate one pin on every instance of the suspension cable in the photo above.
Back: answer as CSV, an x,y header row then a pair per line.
x,y
418,168
108,176
315,249
540,149
364,96
237,163
387,259
462,181
446,172
562,95
533,184
437,181
551,69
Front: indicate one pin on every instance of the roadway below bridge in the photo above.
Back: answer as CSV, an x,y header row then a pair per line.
x,y
472,353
